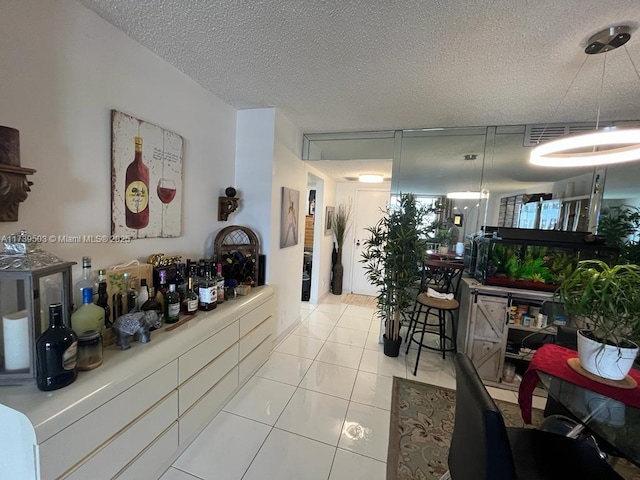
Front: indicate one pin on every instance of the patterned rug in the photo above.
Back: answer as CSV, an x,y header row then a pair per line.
x,y
422,418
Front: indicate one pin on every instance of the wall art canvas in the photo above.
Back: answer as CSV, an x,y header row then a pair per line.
x,y
328,220
146,179
289,217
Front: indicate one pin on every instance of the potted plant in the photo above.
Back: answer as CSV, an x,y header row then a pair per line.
x,y
392,253
604,301
620,227
340,224
443,236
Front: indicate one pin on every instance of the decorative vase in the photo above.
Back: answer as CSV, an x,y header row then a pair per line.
x,y
391,347
606,361
338,272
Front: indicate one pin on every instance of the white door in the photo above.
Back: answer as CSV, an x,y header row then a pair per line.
x,y
368,210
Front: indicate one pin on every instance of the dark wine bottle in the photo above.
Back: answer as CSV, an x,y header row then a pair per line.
x,y
56,353
136,195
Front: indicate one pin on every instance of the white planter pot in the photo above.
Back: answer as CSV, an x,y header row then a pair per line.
x,y
444,250
606,361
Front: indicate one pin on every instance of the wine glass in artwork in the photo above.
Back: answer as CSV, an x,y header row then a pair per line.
x,y
166,193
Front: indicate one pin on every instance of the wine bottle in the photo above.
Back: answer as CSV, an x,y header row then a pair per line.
x,y
89,316
190,301
171,304
219,283
87,280
207,290
103,301
161,291
136,195
56,353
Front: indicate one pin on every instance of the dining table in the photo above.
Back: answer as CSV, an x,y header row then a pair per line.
x,y
610,410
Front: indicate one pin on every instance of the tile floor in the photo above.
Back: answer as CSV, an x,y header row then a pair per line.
x,y
318,409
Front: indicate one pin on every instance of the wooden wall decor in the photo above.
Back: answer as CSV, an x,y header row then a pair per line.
x,y
14,186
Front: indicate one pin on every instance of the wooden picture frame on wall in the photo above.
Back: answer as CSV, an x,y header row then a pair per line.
x,y
146,179
328,219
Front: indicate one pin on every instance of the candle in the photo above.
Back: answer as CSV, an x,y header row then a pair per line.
x,y
15,333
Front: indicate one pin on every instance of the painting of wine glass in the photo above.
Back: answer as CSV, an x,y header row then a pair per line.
x,y
146,179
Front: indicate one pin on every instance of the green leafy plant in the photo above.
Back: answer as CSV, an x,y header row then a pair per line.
x,y
341,223
392,253
620,227
606,297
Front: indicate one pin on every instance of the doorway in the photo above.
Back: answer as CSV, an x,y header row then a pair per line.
x,y
368,211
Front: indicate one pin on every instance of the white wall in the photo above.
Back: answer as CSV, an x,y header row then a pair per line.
x,y
63,70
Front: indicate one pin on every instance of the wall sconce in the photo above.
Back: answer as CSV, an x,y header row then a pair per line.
x,y
228,204
14,186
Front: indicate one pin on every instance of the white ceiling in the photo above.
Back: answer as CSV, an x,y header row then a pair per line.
x,y
345,65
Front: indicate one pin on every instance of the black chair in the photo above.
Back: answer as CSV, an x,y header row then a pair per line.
x,y
443,277
483,448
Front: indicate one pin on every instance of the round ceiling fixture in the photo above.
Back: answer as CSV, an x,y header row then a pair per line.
x,y
370,178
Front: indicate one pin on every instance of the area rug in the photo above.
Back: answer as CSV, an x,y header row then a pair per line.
x,y
359,300
422,418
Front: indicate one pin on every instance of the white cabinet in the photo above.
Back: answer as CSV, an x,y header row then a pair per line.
x,y
132,416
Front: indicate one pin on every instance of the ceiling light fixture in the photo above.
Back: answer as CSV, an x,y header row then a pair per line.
x,y
467,195
604,147
370,178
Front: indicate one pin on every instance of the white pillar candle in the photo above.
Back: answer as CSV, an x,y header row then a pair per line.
x,y
15,332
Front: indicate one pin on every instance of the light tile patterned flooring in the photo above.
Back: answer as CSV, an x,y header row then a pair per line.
x,y
318,409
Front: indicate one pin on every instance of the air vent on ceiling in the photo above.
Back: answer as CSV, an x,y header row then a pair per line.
x,y
539,133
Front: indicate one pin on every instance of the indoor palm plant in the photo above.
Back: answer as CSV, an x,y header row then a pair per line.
x,y
340,224
392,255
604,302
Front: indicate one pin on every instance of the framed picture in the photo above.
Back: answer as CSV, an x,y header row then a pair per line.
x,y
289,217
146,179
457,219
328,220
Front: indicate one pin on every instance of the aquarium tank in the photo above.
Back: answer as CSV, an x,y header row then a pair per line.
x,y
535,259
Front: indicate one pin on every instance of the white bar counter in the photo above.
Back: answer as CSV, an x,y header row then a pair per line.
x,y
176,384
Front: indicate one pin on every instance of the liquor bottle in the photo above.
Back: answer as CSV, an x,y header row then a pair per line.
x,y
161,291
178,280
219,283
143,294
190,300
171,304
131,292
87,280
103,301
207,290
136,195
89,316
56,353
152,304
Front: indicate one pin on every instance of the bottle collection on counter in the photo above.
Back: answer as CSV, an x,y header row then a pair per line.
x,y
96,320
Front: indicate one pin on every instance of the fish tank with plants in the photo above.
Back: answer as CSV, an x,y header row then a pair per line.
x,y
536,259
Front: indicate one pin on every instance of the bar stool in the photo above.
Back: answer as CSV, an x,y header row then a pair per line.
x,y
443,278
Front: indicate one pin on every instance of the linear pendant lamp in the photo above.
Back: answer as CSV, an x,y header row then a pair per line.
x,y
600,147
370,178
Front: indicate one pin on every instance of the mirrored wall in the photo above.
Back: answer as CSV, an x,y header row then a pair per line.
x,y
492,160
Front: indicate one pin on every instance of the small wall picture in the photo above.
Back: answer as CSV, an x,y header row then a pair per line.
x,y
289,217
146,179
328,220
457,219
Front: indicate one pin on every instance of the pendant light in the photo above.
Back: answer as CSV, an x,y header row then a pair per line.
x,y
600,147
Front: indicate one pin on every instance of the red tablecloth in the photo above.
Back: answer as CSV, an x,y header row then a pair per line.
x,y
552,359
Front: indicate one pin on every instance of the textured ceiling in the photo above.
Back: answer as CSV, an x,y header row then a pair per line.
x,y
340,65
365,65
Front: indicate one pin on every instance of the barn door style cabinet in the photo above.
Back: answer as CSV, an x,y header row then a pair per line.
x,y
488,335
